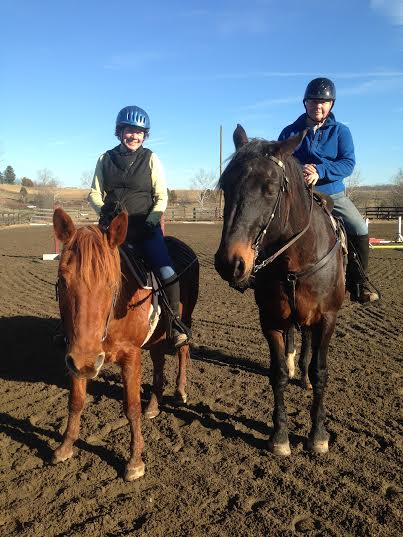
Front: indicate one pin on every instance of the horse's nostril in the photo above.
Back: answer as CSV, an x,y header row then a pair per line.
x,y
239,267
70,363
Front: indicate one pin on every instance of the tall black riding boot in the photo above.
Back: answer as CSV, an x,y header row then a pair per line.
x,y
172,291
357,270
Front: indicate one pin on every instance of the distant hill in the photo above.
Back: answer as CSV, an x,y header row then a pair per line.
x,y
363,196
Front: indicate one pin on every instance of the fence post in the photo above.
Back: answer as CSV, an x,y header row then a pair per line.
x,y
194,214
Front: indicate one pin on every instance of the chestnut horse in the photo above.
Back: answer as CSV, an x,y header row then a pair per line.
x,y
105,317
275,234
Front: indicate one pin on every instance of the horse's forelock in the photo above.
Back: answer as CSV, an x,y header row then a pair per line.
x,y
95,260
256,147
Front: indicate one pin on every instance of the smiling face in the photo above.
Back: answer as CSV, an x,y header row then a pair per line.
x,y
132,137
318,109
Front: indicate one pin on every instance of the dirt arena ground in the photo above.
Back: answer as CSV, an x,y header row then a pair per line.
x,y
208,469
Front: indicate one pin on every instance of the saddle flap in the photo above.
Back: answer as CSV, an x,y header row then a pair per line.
x,y
136,266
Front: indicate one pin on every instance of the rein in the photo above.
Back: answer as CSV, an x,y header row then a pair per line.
x,y
291,277
256,245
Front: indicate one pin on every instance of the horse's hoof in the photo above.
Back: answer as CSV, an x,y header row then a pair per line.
x,y
151,414
135,472
306,384
61,457
181,398
318,446
280,449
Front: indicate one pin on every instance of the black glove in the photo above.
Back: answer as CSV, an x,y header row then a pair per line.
x,y
108,212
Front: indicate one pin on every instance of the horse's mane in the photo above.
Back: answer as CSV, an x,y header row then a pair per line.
x,y
95,259
255,148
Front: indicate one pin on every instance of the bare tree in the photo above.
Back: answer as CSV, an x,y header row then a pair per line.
x,y
46,178
353,184
86,179
397,189
203,182
27,182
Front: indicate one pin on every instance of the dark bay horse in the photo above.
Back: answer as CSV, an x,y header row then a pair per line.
x,y
275,234
105,316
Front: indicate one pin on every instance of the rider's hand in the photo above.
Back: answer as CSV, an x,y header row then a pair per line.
x,y
311,176
311,179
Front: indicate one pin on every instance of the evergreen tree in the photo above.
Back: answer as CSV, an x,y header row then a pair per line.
x,y
1,178
9,175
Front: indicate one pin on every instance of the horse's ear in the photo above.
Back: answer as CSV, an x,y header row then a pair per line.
x,y
117,230
239,137
287,147
63,225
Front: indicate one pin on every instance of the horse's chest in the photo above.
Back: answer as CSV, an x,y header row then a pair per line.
x,y
279,300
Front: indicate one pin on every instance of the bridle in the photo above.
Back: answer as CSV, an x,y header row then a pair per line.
x,y
115,294
259,239
291,277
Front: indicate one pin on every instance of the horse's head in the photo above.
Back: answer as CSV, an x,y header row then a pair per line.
x,y
252,183
89,282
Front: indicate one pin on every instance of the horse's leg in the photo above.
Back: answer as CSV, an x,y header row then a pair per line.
x,y
183,355
131,372
290,351
158,358
305,357
279,443
78,391
318,440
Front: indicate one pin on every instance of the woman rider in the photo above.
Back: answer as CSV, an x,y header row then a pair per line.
x,y
132,177
327,156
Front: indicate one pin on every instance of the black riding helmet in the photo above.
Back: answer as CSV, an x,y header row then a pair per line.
x,y
320,88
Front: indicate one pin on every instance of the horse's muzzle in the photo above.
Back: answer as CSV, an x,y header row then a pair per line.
x,y
81,368
232,269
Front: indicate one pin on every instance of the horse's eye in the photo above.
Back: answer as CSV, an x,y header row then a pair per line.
x,y
267,189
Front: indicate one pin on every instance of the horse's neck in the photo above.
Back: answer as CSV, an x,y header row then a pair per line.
x,y
298,208
317,239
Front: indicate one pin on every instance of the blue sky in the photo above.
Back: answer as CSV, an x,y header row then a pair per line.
x,y
68,67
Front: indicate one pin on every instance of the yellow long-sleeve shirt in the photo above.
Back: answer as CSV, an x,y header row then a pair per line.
x,y
159,190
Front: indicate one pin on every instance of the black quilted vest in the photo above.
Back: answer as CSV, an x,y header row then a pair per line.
x,y
127,178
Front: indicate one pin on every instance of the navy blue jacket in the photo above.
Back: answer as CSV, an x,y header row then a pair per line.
x,y
330,148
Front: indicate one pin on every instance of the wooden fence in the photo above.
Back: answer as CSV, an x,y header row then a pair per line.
x,y
9,217
78,215
382,213
180,213
37,216
184,213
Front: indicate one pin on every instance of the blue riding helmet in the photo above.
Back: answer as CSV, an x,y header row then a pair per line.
x,y
134,116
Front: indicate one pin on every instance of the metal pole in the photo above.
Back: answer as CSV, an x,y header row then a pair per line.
x,y
220,195
220,150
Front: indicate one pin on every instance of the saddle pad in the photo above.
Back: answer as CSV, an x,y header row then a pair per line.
x,y
153,318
